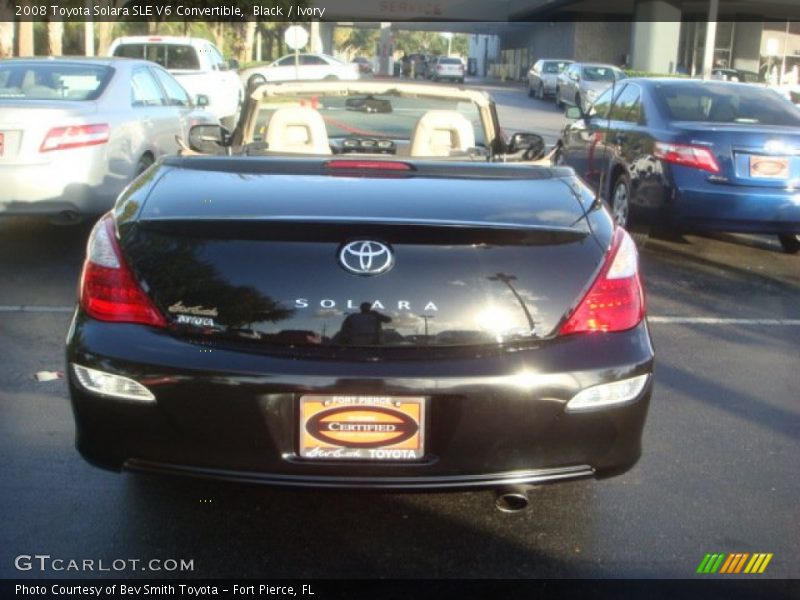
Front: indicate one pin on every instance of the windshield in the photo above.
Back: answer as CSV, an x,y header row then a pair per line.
x,y
599,73
725,103
53,81
389,116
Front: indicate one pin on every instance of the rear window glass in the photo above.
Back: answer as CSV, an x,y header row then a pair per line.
x,y
169,56
53,81
598,74
726,103
553,68
449,61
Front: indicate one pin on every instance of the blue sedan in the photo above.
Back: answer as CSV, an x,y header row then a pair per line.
x,y
691,155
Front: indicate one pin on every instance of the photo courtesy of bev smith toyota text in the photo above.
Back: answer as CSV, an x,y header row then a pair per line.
x,y
347,297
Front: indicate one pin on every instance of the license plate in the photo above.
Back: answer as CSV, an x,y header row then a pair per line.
x,y
769,167
370,428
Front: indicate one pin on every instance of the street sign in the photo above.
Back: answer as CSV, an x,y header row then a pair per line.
x,y
296,37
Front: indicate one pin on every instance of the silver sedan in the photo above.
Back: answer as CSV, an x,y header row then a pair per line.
x,y
581,83
75,132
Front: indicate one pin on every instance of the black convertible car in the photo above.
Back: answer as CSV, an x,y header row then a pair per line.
x,y
363,322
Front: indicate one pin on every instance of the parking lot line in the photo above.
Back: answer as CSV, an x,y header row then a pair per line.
x,y
721,321
667,320
36,308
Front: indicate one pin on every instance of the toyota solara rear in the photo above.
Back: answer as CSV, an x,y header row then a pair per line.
x,y
351,323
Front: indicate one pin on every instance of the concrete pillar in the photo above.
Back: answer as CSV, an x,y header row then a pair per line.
x,y
747,45
655,36
314,41
711,38
385,46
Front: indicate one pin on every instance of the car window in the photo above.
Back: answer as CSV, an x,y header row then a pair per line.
x,y
216,55
602,105
176,95
53,81
598,73
144,89
725,103
628,105
181,57
286,61
449,61
129,51
310,59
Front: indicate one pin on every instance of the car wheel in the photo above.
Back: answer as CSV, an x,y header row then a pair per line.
x,y
578,101
461,81
559,103
255,81
540,92
144,163
790,242
331,78
530,91
621,211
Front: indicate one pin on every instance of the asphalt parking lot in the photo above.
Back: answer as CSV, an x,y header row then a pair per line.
x,y
719,471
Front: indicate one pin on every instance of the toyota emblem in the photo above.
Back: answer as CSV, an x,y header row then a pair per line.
x,y
364,257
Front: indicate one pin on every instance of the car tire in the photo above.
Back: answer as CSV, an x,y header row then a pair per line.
x,y
461,81
530,91
578,101
540,91
558,159
790,242
620,208
145,162
559,103
330,78
255,81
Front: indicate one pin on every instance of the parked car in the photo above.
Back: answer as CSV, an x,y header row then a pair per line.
x,y
447,68
364,65
580,84
196,63
543,76
691,155
307,67
394,338
74,131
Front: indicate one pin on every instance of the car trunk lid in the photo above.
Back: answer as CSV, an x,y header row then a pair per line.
x,y
263,260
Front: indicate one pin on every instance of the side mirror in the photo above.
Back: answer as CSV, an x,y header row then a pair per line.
x,y
531,143
233,64
201,101
574,113
208,139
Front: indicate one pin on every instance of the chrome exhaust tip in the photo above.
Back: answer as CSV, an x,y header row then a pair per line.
x,y
512,499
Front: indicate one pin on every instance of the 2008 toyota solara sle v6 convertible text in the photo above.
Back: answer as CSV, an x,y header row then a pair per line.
x,y
361,320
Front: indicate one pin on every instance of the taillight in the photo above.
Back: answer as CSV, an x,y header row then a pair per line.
x,y
109,291
75,136
697,157
615,302
381,165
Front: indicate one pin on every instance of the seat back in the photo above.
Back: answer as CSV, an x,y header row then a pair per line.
x,y
299,130
441,133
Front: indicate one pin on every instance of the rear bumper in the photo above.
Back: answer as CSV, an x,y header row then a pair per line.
x,y
739,209
492,421
76,181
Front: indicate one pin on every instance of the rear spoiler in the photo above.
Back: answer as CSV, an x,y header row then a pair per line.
x,y
383,167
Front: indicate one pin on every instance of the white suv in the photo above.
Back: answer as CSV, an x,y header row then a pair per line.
x,y
196,63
